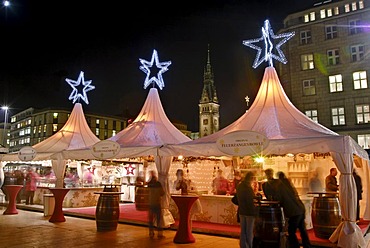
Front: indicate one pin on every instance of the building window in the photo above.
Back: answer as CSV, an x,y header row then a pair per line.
x,y
354,6
97,122
309,87
364,140
336,83
336,10
355,27
97,131
312,114
331,32
307,62
361,4
55,128
346,8
105,123
114,132
333,56
322,13
362,113
357,53
338,117
360,80
329,12
45,127
305,37
312,16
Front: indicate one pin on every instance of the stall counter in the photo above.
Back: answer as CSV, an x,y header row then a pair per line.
x,y
75,198
220,209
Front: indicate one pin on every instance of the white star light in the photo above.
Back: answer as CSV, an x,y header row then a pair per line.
x,y
161,66
75,95
267,35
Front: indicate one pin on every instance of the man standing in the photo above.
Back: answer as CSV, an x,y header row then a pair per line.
x,y
155,211
331,181
294,211
270,186
247,210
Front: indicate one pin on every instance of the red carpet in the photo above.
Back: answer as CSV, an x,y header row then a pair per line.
x,y
129,214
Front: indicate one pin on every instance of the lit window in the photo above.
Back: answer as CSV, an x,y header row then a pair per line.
x,y
336,83
312,114
97,122
331,32
306,18
329,12
97,131
55,115
336,11
362,113
45,128
305,37
309,87
322,14
333,56
55,128
114,132
307,62
364,140
361,4
346,8
360,80
312,16
354,6
338,117
357,53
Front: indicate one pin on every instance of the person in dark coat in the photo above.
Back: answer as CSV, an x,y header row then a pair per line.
x,y
294,210
269,187
358,182
247,210
155,211
331,183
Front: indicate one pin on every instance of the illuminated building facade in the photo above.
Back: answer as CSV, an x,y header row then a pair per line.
x,y
326,76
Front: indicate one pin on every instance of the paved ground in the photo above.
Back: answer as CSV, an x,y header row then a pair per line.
x,y
31,229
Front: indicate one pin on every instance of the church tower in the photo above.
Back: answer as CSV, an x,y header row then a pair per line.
x,y
209,114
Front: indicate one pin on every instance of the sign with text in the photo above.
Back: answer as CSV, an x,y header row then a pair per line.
x,y
105,149
242,143
27,153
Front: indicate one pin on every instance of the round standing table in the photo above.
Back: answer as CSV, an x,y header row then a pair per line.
x,y
184,203
59,194
12,192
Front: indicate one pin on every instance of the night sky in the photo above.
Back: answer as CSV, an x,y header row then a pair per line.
x,y
45,42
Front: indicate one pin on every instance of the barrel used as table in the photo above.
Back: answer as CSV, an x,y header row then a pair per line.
x,y
326,215
107,211
142,198
269,224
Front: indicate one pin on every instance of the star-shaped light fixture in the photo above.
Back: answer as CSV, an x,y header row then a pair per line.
x,y
130,169
75,95
161,67
268,35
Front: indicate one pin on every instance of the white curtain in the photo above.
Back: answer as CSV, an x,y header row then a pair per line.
x,y
59,167
348,234
163,166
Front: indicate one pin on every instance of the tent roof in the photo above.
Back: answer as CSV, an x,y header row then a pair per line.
x,y
273,115
75,134
151,127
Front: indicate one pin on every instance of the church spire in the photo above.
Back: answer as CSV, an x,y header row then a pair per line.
x,y
208,103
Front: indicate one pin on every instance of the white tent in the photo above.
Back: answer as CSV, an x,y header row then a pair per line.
x,y
145,135
75,134
290,131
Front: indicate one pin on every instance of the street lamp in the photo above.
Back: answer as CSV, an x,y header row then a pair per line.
x,y
5,108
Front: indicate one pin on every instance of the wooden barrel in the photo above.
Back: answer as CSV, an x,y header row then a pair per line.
x,y
269,225
326,215
142,198
107,212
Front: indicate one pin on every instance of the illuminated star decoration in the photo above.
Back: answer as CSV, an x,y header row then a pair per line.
x,y
75,95
130,169
267,35
161,66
